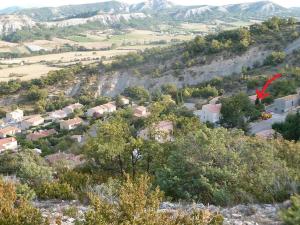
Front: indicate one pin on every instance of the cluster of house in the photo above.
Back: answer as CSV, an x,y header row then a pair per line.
x,y
16,122
212,112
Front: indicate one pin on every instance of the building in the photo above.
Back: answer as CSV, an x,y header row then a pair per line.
x,y
287,103
8,144
32,122
70,124
9,131
253,98
40,134
209,113
124,101
71,108
161,132
15,116
140,111
58,115
77,138
101,110
110,107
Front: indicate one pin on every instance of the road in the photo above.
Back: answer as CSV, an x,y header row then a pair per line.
x,y
266,124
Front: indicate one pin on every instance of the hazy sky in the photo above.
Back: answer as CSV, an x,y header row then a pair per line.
x,y
36,3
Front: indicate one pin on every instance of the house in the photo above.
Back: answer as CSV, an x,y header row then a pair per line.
x,y
77,138
40,134
161,132
8,144
69,160
9,131
58,115
100,110
70,124
32,122
71,108
209,113
15,116
124,100
287,103
110,107
253,98
140,111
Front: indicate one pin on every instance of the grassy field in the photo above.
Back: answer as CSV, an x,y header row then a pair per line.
x,y
25,72
36,66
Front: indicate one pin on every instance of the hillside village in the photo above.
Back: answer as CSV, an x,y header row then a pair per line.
x,y
35,126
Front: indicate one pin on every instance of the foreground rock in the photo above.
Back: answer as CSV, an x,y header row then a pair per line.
x,y
253,214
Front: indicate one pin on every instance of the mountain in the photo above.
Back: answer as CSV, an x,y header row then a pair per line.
x,y
10,10
11,23
74,11
161,11
152,5
254,10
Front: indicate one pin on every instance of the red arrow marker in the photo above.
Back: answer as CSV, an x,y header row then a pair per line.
x,y
262,94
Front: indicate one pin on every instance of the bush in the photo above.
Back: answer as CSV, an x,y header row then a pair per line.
x,y
291,216
17,211
275,58
55,190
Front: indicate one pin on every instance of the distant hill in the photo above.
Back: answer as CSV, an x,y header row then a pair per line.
x,y
112,13
10,10
245,11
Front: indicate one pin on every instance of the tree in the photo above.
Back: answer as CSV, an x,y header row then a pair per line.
x,y
290,128
137,93
291,216
109,145
17,211
36,94
275,58
138,204
237,111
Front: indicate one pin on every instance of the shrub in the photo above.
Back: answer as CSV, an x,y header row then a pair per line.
x,y
291,216
55,190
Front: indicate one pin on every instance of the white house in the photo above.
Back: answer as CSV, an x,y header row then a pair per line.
x,y
70,124
287,103
9,131
71,108
32,122
58,115
209,113
161,132
15,116
140,111
124,100
8,144
100,110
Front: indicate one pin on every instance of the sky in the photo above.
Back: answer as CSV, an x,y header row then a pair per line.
x,y
39,3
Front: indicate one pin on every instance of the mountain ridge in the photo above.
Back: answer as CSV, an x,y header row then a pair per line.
x,y
163,11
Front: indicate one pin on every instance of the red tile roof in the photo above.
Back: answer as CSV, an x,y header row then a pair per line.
x,y
214,108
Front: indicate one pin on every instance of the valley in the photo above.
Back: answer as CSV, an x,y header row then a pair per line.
x,y
150,114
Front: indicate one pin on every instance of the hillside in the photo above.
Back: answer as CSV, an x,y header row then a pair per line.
x,y
225,54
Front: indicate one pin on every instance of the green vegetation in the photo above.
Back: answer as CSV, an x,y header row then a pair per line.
x,y
15,210
290,129
291,216
275,58
139,204
237,111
